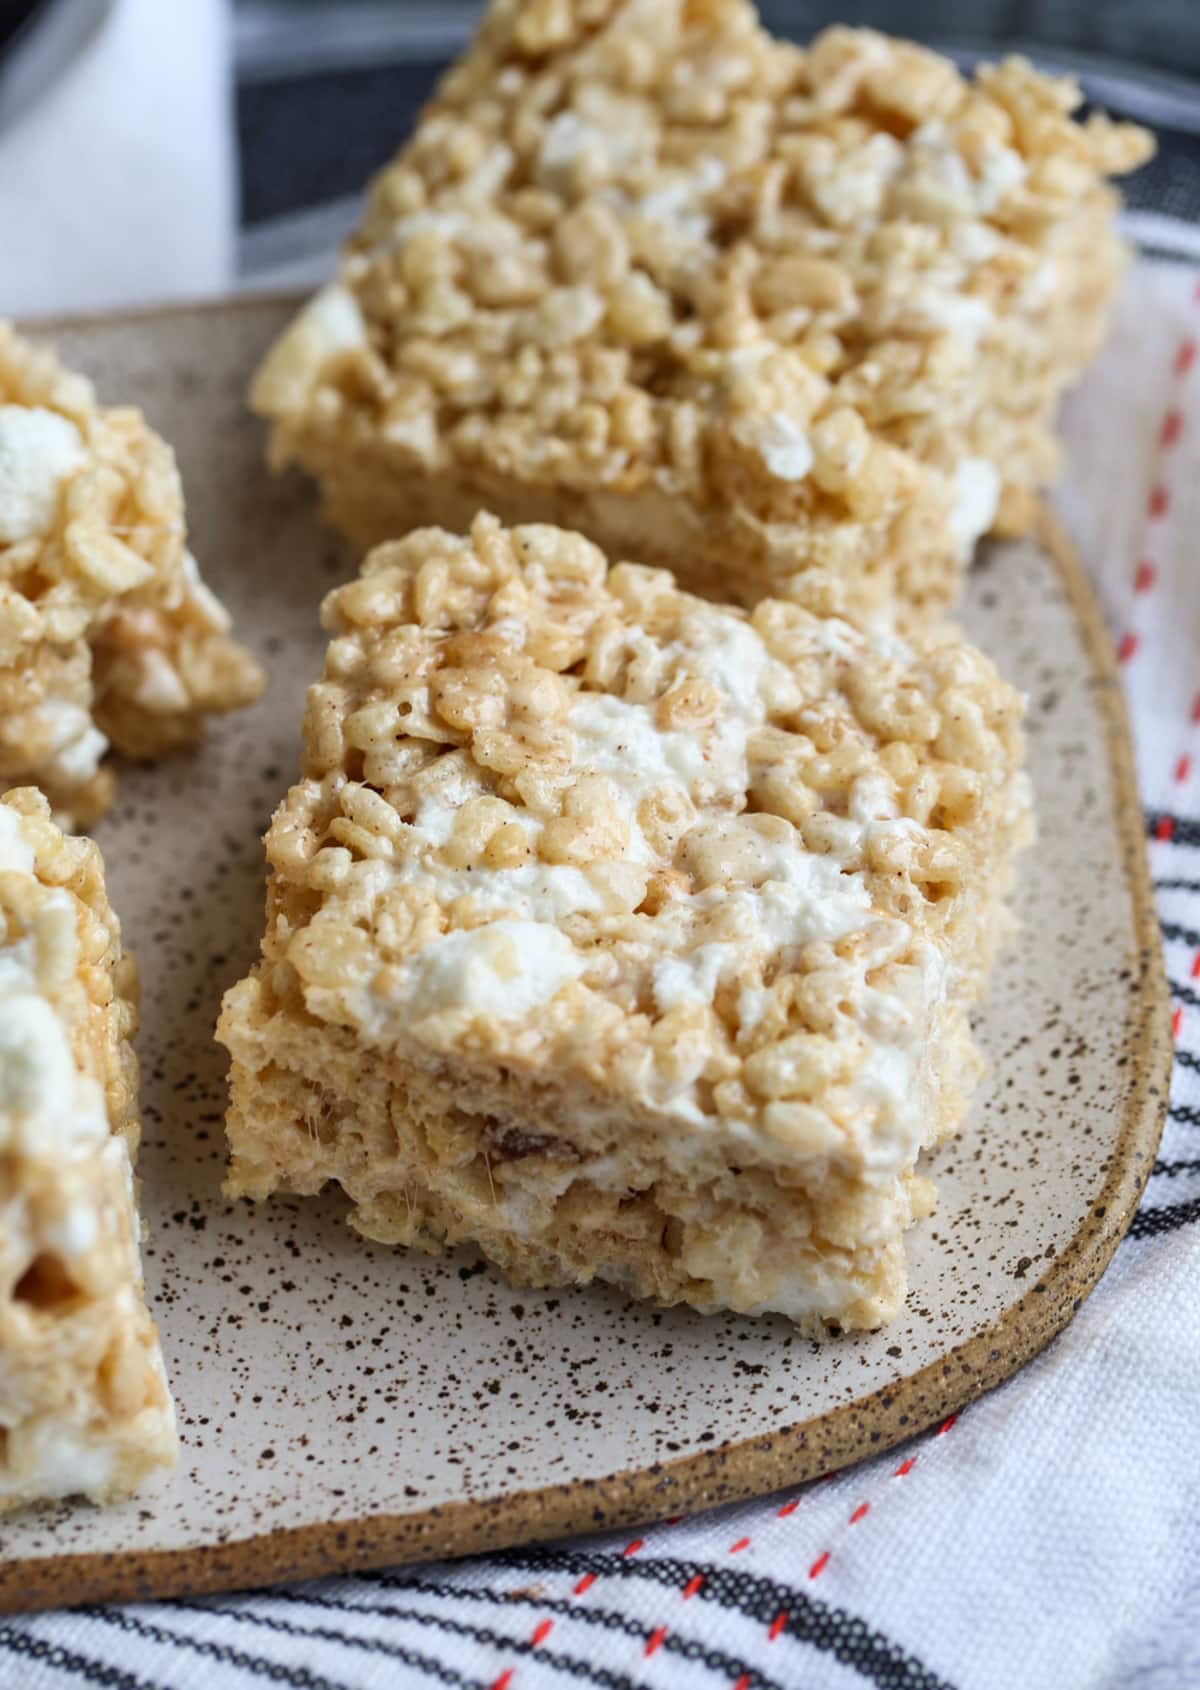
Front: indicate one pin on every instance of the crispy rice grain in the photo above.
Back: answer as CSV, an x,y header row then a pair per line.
x,y
789,322
84,1404
107,633
625,935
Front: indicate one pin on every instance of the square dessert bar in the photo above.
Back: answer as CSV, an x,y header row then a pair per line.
x,y
107,633
626,936
84,1405
705,296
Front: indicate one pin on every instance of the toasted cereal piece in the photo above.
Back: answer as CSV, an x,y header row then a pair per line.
x,y
107,633
788,322
623,935
84,1404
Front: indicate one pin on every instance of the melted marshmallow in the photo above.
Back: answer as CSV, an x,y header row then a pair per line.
x,y
505,968
570,137
16,853
773,898
54,1456
780,442
976,497
77,743
38,450
330,323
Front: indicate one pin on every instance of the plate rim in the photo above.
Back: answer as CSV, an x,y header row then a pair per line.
x,y
734,1470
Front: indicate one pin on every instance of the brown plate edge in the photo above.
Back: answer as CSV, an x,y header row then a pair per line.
x,y
731,1472
216,305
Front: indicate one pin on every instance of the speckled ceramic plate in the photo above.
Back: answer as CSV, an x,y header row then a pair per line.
x,y
345,1406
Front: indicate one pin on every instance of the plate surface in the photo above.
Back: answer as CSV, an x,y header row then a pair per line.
x,y
345,1406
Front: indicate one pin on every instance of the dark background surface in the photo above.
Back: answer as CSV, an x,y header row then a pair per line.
x,y
14,14
1163,33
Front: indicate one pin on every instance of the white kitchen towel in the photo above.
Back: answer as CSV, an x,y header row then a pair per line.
x,y
117,178
1047,1536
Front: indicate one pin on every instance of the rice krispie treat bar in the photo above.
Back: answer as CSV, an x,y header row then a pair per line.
x,y
84,1405
107,633
646,272
626,936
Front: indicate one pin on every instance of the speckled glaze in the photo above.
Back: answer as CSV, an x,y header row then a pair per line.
x,y
346,1406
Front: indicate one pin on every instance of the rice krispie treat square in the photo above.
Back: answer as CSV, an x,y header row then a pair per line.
x,y
84,1404
107,633
623,935
788,322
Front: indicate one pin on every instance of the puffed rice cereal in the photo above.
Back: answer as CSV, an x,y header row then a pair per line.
x,y
623,935
788,321
108,636
84,1404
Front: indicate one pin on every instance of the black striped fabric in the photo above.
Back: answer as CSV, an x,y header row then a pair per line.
x,y
1172,1199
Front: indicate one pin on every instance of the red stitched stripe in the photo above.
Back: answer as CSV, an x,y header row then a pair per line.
x,y
504,1680
692,1586
777,1625
819,1565
1165,828
742,1543
1157,505
789,1508
632,1548
860,1513
905,1466
1127,647
585,1583
655,1639
1177,1022
945,1426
